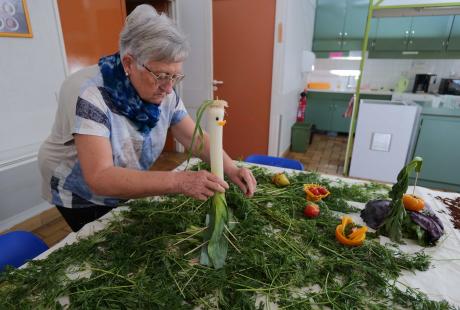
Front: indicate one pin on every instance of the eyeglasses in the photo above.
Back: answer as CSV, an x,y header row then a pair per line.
x,y
164,78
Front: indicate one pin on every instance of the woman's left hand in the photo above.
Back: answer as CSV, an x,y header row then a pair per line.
x,y
245,180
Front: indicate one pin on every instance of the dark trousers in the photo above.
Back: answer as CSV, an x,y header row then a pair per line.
x,y
79,217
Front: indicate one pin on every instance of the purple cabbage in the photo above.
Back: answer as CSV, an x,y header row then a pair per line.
x,y
428,222
375,212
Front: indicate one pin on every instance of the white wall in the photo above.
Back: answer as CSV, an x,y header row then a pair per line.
x,y
195,19
297,19
31,71
382,74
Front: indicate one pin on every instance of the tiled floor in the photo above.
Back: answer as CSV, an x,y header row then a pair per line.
x,y
326,154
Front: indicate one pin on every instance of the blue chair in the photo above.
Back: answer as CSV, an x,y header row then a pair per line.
x,y
17,247
274,161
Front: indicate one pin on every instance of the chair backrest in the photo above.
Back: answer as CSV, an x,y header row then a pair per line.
x,y
274,161
18,247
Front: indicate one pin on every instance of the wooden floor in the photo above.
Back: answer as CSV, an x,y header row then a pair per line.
x,y
325,154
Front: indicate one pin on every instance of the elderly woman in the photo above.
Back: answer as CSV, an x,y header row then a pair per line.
x,y
99,152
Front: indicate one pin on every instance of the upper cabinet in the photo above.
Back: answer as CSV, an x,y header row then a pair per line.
x,y
429,33
355,23
392,34
339,25
454,38
421,33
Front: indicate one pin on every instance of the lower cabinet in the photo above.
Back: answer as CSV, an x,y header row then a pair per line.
x,y
439,146
326,110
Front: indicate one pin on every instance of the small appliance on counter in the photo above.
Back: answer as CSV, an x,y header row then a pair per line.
x,y
402,84
449,87
385,139
424,83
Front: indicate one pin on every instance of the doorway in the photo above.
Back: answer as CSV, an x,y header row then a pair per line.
x,y
163,6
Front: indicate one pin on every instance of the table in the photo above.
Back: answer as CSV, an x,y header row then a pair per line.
x,y
441,281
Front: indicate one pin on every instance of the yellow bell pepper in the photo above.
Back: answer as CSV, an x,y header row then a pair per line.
x,y
356,238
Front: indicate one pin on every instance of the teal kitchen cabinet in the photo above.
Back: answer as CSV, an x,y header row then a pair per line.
x,y
454,38
429,33
438,145
420,33
329,22
339,25
355,24
392,33
325,110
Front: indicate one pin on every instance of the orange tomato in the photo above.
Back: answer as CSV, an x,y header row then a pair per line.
x,y
413,203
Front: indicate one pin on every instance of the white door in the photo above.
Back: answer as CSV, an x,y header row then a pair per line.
x,y
195,19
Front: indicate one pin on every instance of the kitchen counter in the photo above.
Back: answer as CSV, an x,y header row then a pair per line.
x,y
432,104
443,109
352,91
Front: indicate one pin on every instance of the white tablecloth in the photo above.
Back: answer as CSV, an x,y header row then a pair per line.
x,y
440,282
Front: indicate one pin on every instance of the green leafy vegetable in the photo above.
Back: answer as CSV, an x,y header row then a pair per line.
x,y
198,130
215,236
140,260
392,226
214,249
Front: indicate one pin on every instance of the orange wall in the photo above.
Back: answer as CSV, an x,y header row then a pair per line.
x,y
90,29
243,33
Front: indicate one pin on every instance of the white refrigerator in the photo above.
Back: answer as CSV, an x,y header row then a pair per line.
x,y
385,138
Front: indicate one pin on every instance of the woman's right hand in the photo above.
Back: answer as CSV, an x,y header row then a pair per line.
x,y
200,184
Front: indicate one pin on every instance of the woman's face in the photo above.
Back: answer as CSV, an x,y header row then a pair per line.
x,y
152,80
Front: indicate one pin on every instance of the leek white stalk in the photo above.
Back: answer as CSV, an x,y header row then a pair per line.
x,y
215,251
216,122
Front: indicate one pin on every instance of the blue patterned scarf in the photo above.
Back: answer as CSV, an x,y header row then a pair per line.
x,y
124,97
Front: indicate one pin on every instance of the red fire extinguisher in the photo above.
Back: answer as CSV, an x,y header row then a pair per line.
x,y
301,107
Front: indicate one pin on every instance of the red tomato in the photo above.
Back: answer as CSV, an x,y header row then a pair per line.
x,y
315,191
311,210
322,190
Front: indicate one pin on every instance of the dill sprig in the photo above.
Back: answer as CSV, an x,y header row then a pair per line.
x,y
146,259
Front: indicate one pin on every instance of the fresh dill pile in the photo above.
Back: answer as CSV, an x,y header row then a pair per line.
x,y
147,259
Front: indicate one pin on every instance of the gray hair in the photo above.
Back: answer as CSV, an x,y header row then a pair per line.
x,y
149,36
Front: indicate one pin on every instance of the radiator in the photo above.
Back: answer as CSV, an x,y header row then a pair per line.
x,y
20,185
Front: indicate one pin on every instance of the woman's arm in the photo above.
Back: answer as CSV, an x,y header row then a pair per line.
x,y
183,132
103,178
